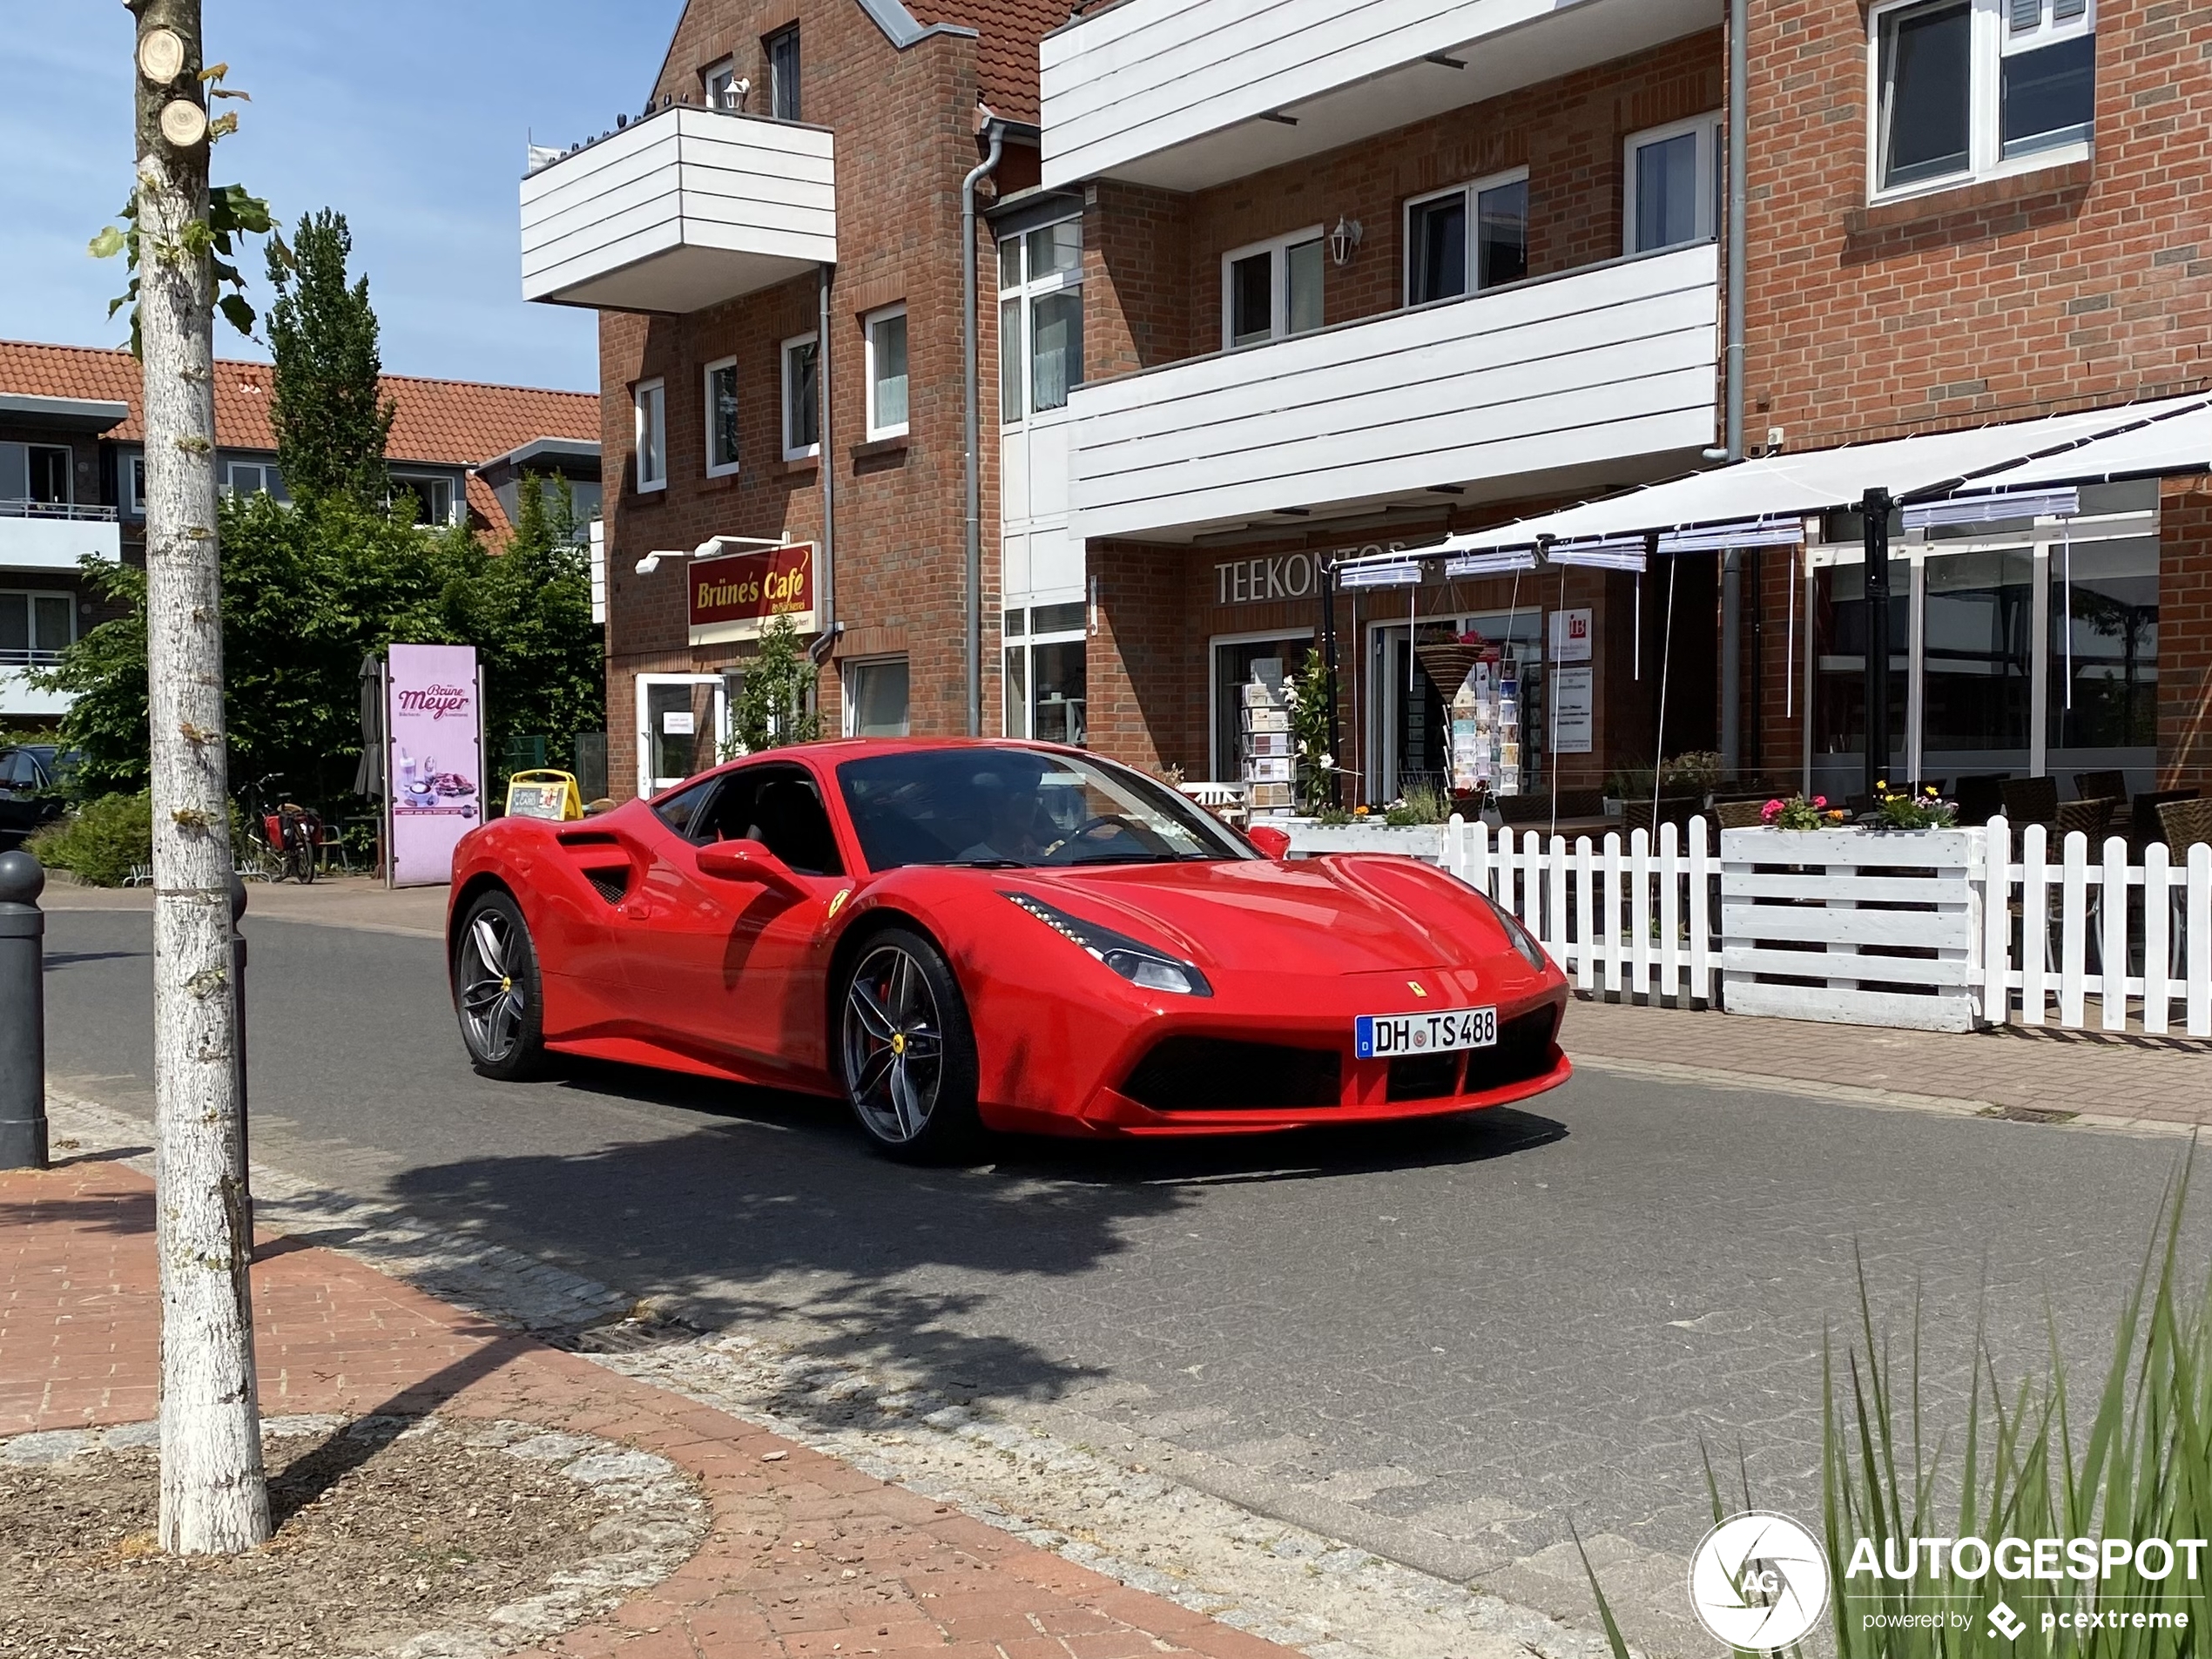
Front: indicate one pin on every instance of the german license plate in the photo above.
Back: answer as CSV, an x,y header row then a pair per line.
x,y
1385,1036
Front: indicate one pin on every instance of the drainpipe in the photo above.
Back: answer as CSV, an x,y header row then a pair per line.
x,y
1732,560
825,570
981,171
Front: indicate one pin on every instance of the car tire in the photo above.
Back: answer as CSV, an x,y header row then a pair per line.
x,y
497,994
905,1051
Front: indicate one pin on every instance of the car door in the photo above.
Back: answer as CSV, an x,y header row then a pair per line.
x,y
740,966
21,778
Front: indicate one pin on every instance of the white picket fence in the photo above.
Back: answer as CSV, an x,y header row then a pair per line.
x,y
1641,919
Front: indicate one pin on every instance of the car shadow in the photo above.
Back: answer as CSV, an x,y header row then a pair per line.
x,y
768,1208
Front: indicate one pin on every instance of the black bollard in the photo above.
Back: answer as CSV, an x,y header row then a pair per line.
x,y
23,1013
237,1039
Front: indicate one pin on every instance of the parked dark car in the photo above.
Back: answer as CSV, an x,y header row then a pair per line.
x,y
29,798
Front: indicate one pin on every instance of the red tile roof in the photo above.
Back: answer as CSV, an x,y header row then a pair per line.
x,y
1006,53
448,422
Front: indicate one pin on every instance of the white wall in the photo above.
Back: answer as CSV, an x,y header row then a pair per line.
x,y
54,543
1610,362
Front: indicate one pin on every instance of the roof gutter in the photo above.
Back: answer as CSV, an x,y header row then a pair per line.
x,y
995,129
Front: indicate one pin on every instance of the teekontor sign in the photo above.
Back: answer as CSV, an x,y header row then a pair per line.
x,y
733,596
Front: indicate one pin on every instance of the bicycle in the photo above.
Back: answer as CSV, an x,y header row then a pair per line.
x,y
283,845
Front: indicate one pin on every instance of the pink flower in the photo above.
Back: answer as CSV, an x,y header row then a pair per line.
x,y
1820,801
1773,810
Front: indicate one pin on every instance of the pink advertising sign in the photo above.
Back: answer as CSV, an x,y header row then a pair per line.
x,y
434,732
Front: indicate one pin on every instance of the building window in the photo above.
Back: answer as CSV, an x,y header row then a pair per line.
x,y
722,418
783,73
1478,230
425,498
1271,289
887,372
720,82
244,478
875,698
650,402
35,628
1045,675
134,486
802,397
1673,184
36,472
1969,88
1041,319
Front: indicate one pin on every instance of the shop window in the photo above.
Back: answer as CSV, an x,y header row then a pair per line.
x,y
1478,232
1236,662
782,49
1970,88
875,698
1040,319
722,418
1978,648
425,498
1272,289
802,398
1673,184
2104,645
35,628
886,338
649,410
1046,677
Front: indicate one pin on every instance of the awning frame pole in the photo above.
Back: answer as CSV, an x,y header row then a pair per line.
x,y
1666,661
1329,668
1875,507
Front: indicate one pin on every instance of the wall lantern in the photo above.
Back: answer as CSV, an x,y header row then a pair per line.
x,y
1344,241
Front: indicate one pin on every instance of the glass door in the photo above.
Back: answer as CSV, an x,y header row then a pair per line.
x,y
683,723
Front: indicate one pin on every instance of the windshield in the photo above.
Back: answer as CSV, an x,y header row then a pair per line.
x,y
1007,808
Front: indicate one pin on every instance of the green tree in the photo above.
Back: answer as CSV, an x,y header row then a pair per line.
x,y
772,702
332,422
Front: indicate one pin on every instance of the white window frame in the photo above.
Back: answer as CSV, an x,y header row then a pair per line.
x,y
801,451
718,468
1021,726
1991,43
1278,275
652,395
776,88
647,783
134,484
869,324
30,597
453,499
1708,127
718,83
262,466
854,667
1471,192
1026,293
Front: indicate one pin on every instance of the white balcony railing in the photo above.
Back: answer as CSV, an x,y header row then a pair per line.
x,y
1186,94
48,536
680,211
1557,383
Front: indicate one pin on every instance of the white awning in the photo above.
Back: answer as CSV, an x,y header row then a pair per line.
x,y
2171,435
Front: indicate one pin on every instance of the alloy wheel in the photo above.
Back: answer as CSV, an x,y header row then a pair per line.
x,y
894,1041
491,996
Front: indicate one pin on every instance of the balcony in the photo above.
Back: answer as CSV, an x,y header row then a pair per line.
x,y
49,536
1186,96
1601,376
682,209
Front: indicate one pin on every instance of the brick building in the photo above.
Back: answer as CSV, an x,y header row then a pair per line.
x,y
1336,282
71,437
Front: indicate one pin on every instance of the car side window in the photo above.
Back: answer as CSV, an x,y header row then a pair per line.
x,y
680,808
779,807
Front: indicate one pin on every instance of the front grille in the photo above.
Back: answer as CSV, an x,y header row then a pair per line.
x,y
1213,1074
612,880
1423,1077
1524,1050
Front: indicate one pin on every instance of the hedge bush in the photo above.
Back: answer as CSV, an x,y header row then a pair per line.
x,y
101,840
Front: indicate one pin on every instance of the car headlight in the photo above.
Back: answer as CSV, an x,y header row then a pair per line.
x,y
1523,941
1134,960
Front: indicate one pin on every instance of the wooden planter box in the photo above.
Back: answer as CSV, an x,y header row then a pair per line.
x,y
1854,927
1416,841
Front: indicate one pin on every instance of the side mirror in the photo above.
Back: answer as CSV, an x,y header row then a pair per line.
x,y
749,861
1275,843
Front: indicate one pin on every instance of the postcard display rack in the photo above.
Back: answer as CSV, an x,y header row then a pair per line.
x,y
1265,761
1486,728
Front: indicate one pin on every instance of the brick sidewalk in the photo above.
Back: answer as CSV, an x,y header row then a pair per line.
x,y
2137,1080
78,1323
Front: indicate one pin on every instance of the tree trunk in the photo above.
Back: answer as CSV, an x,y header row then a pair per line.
x,y
214,1497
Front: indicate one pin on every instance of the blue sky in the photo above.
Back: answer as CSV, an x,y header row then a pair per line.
x,y
407,116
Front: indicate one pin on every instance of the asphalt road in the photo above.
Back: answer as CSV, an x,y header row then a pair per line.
x,y
1470,1333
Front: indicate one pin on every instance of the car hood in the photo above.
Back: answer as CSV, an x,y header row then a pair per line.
x,y
1331,916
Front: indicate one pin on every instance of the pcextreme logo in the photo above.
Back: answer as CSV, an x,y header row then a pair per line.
x,y
1759,1581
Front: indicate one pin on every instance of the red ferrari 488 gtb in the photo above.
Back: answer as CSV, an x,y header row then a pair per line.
x,y
956,936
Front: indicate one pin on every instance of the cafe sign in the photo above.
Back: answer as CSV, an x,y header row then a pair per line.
x,y
733,596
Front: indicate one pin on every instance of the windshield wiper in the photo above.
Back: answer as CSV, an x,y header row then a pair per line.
x,y
987,864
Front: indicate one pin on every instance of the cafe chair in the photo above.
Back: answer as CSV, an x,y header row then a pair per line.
x,y
2030,800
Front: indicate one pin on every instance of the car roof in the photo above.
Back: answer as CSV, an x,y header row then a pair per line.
x,y
831,751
